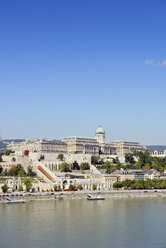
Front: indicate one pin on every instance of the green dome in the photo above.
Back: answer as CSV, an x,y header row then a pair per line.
x,y
100,130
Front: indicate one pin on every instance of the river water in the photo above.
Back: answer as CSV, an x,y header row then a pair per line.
x,y
113,223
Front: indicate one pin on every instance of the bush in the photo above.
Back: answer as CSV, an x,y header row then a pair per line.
x,y
28,184
14,189
20,188
85,166
30,172
95,160
94,186
42,157
1,154
8,152
13,159
55,188
141,184
16,171
71,187
60,156
4,188
80,187
65,167
75,166
33,189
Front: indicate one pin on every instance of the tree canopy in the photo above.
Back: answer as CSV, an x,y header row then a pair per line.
x,y
60,156
141,184
64,167
5,188
28,184
18,171
135,160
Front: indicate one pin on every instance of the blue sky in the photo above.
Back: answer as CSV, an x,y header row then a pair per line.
x,y
68,66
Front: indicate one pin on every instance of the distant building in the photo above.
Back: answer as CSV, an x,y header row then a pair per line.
x,y
131,175
123,147
158,154
138,174
124,175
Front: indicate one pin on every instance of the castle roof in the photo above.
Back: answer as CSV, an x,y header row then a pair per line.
x,y
100,130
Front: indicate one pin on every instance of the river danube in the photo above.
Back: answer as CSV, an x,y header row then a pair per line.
x,y
113,223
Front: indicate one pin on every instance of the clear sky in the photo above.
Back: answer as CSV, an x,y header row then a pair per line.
x,y
67,66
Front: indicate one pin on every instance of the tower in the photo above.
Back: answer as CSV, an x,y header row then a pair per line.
x,y
100,135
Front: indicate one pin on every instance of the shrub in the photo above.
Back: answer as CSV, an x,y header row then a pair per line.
x,y
71,187
20,188
80,187
94,186
4,188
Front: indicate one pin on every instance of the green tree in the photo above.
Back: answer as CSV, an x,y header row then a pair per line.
x,y
13,159
1,160
21,173
109,167
4,172
80,187
77,152
13,171
65,167
33,190
118,185
28,184
8,152
94,186
115,160
156,183
1,154
163,185
71,187
4,188
14,189
75,166
30,172
60,157
17,170
55,188
20,188
139,184
85,166
129,159
127,183
148,184
95,160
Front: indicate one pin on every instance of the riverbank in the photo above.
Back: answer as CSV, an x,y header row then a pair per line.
x,y
83,195
116,193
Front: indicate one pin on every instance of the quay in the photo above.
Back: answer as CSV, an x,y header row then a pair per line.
x,y
83,195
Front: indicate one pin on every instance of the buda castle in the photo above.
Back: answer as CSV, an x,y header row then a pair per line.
x,y
78,145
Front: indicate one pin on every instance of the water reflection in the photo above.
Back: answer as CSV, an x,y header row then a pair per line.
x,y
132,222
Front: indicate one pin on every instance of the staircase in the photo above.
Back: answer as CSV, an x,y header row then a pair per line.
x,y
94,170
46,174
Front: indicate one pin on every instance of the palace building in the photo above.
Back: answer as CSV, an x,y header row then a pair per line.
x,y
80,145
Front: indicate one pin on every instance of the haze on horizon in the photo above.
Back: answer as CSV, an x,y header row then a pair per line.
x,y
67,67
